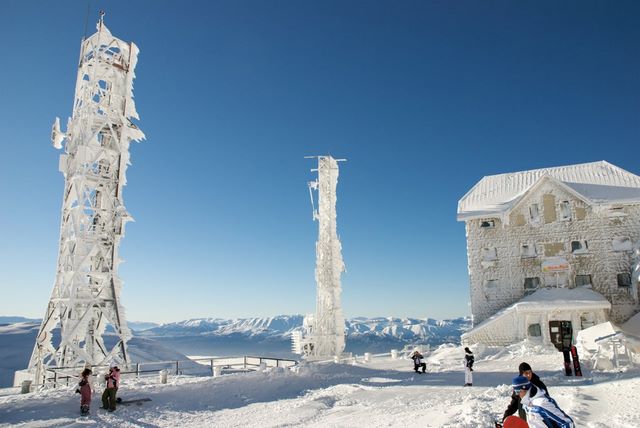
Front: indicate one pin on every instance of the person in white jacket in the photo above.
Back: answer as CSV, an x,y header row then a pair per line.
x,y
542,410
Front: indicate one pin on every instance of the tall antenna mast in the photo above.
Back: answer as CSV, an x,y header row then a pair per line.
x,y
324,332
86,293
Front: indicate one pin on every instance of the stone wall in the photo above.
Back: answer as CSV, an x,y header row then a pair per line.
x,y
548,220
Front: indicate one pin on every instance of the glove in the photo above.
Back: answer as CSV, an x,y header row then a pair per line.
x,y
470,369
78,391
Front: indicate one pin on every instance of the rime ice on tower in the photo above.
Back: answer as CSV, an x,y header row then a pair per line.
x,y
86,294
324,332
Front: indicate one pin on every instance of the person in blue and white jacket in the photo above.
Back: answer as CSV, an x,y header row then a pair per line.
x,y
542,410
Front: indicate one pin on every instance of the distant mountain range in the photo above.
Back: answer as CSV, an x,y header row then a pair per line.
x,y
425,330
268,337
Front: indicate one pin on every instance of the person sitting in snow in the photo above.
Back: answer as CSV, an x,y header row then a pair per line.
x,y
84,389
418,362
542,411
109,394
516,405
468,367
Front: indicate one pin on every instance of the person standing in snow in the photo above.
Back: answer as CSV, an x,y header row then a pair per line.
x,y
418,362
468,367
542,411
84,389
113,381
516,405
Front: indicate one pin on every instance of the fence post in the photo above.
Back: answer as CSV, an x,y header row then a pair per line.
x,y
55,379
244,365
137,370
177,368
163,376
212,372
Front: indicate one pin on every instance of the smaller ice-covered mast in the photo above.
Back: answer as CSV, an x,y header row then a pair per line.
x,y
325,331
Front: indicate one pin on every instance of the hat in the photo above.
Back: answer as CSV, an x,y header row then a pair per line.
x,y
467,350
519,383
523,367
113,364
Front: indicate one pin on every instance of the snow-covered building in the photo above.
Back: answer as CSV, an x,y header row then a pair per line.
x,y
568,227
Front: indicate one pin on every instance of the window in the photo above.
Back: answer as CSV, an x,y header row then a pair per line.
x,y
531,284
583,280
491,284
534,214
489,254
616,212
565,210
624,280
534,330
487,224
528,250
622,244
558,279
579,247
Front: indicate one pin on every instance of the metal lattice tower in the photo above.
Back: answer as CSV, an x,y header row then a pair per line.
x,y
327,337
86,294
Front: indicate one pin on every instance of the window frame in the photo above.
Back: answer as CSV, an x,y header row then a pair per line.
x,y
583,249
624,275
565,210
583,275
528,255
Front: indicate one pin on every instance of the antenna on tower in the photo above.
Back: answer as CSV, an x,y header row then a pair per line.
x,y
86,293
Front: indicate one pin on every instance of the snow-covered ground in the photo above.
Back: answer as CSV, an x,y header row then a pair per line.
x,y
384,392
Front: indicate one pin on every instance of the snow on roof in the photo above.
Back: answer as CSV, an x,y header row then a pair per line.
x,y
600,182
561,298
552,299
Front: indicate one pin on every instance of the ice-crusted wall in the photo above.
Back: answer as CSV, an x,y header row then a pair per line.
x,y
498,264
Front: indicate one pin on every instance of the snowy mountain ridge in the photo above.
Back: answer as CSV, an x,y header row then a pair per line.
x,y
281,326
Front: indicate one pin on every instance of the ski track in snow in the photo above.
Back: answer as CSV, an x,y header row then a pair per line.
x,y
382,393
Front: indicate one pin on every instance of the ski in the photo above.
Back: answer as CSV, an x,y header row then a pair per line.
x,y
576,361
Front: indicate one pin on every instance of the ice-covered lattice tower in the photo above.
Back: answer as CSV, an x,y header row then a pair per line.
x,y
325,331
86,294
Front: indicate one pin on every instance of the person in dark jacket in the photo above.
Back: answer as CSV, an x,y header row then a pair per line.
x,y
468,367
418,362
516,403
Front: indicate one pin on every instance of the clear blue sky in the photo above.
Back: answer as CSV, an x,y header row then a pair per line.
x,y
423,98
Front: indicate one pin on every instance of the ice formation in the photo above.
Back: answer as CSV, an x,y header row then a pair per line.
x,y
86,293
325,336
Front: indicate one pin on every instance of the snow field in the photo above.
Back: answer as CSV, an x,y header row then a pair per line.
x,y
384,392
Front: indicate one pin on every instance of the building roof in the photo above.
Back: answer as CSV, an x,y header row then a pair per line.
x,y
548,300
598,182
563,298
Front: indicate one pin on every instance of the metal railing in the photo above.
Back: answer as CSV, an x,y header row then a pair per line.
x,y
66,376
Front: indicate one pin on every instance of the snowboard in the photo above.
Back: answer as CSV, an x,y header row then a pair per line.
x,y
576,361
136,401
567,362
514,422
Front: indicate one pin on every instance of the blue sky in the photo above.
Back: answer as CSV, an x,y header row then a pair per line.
x,y
423,98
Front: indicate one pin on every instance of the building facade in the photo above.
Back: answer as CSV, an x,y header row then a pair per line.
x,y
563,227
